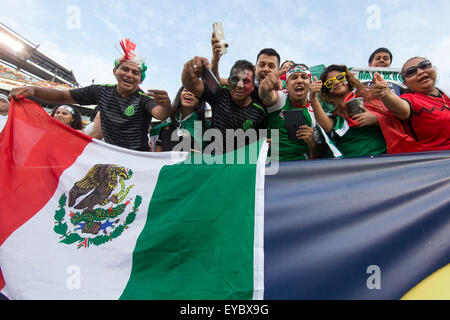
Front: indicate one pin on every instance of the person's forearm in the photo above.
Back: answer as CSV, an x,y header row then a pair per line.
x,y
161,112
268,98
54,96
399,107
315,151
215,68
322,118
96,131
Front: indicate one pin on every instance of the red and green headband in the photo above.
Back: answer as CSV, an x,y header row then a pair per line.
x,y
298,68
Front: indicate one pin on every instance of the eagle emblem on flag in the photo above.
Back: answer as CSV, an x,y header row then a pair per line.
x,y
98,207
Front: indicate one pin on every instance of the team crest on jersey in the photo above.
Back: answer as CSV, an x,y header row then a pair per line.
x,y
248,124
129,111
282,114
97,208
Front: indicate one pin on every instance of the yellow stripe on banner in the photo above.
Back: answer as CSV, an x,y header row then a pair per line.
x,y
434,287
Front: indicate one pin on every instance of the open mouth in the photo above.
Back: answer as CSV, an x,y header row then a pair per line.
x,y
423,79
127,82
188,99
299,89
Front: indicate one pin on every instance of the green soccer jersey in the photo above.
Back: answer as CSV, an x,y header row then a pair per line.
x,y
356,142
289,150
189,126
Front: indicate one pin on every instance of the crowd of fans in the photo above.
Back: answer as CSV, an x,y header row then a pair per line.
x,y
342,117
8,73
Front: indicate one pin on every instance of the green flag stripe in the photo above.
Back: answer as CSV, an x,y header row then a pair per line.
x,y
197,244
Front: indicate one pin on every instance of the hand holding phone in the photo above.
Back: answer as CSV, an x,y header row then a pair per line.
x,y
354,106
294,119
209,79
219,34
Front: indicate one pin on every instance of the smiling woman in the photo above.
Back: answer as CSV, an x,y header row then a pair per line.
x,y
354,133
68,115
425,108
185,128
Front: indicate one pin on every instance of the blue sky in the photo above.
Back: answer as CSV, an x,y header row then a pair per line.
x,y
169,32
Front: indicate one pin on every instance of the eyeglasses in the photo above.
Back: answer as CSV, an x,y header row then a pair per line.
x,y
339,77
411,71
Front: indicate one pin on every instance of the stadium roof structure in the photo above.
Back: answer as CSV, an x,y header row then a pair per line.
x,y
23,54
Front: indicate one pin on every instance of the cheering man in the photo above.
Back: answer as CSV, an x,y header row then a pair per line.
x,y
125,111
233,106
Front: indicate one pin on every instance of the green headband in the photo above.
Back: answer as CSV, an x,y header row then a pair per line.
x,y
142,67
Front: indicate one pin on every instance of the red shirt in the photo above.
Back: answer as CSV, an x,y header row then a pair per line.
x,y
430,120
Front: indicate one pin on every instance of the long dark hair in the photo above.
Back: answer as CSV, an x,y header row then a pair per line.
x,y
176,106
353,84
76,124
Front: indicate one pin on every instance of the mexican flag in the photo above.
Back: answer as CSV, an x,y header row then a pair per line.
x,y
81,219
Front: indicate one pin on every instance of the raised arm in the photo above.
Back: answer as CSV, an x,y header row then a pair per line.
x,y
324,121
380,90
191,75
96,131
216,50
48,95
268,88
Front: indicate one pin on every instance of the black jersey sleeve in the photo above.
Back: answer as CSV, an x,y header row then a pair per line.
x,y
86,95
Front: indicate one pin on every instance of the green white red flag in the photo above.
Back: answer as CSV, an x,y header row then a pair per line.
x,y
81,219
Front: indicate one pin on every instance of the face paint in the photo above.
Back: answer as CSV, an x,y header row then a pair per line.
x,y
237,78
241,79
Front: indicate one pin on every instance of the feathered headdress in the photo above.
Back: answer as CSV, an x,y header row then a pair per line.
x,y
129,54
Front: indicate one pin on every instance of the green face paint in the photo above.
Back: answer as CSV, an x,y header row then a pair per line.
x,y
237,77
240,78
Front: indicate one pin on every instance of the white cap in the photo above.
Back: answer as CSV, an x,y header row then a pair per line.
x,y
4,97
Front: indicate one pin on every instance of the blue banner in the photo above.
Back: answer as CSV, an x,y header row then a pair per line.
x,y
362,228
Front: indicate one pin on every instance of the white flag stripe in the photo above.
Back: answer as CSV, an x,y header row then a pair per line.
x,y
258,251
95,272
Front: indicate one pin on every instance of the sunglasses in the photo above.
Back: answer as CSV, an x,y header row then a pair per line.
x,y
411,71
330,82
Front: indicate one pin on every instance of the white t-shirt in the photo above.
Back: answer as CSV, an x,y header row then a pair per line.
x,y
3,120
89,128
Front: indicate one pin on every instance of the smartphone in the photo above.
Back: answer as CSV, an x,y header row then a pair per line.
x,y
209,79
293,120
354,106
218,32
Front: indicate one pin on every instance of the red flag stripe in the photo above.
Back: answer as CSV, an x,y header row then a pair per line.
x,y
35,149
